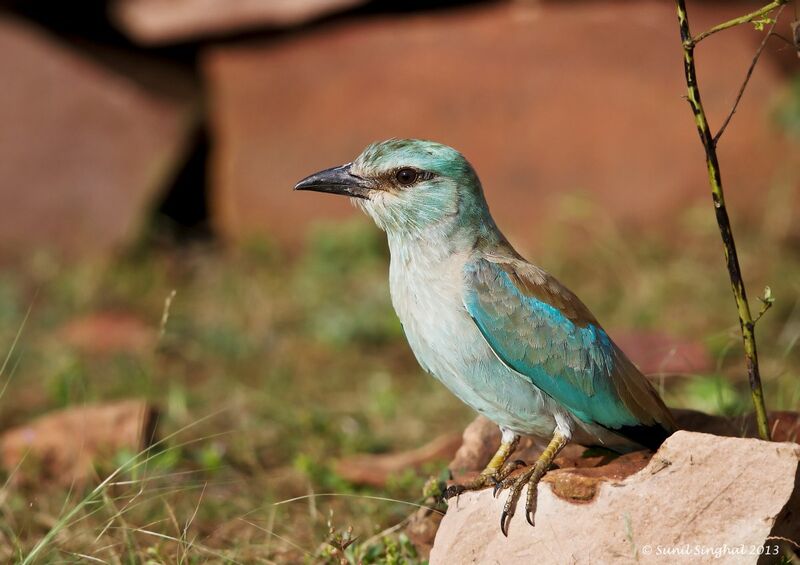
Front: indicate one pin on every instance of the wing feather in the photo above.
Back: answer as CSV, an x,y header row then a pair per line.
x,y
543,331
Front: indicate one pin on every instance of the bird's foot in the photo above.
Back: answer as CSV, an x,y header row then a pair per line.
x,y
531,478
497,469
479,482
509,468
486,479
504,480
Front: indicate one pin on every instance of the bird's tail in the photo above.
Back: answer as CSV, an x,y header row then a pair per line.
x,y
656,422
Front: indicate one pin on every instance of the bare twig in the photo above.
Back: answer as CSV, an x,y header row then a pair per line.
x,y
746,322
785,40
764,307
749,74
734,22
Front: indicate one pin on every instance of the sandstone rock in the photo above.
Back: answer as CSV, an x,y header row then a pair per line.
x,y
577,477
375,470
63,447
785,425
578,473
698,491
168,21
83,150
481,438
422,526
109,333
479,442
545,99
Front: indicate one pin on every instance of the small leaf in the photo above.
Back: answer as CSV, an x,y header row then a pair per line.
x,y
761,22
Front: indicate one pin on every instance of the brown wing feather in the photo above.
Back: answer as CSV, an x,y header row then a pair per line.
x,y
633,388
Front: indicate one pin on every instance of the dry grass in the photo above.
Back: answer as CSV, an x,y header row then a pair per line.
x,y
269,367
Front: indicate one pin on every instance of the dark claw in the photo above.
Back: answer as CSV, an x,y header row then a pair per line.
x,y
505,520
498,486
529,517
453,490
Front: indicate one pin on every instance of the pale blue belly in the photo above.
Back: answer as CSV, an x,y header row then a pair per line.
x,y
449,345
488,386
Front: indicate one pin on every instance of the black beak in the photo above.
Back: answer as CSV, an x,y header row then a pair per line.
x,y
338,180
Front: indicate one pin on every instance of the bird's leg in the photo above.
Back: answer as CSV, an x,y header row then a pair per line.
x,y
531,477
499,466
495,471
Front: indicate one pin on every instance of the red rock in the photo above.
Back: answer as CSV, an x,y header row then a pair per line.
x,y
591,104
698,490
581,484
482,437
784,425
109,332
83,150
422,526
63,447
168,21
479,441
375,470
579,476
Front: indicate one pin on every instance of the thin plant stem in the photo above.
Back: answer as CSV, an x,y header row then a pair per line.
x,y
749,74
734,22
723,221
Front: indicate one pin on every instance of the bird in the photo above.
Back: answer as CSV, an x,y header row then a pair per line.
x,y
503,335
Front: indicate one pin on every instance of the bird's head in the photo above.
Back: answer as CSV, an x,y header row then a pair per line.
x,y
408,186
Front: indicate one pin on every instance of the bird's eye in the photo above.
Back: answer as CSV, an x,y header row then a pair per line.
x,y
406,176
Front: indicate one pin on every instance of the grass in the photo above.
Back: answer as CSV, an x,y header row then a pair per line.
x,y
269,367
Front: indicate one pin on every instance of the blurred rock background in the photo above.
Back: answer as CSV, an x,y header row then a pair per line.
x,y
207,112
156,270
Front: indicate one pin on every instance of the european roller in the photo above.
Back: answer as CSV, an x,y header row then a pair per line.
x,y
503,335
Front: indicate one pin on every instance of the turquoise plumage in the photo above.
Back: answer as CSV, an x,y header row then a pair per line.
x,y
521,312
503,335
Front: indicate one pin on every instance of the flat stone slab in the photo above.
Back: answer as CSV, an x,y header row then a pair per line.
x,y
64,446
542,110
84,150
701,498
155,22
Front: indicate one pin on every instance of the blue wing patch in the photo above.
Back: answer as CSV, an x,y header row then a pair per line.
x,y
572,360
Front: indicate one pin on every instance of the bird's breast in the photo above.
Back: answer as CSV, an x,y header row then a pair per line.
x,y
427,286
427,290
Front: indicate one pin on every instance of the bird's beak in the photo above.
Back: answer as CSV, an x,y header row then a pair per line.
x,y
338,180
